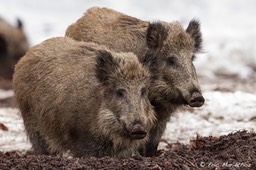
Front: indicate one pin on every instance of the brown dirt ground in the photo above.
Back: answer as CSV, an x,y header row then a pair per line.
x,y
233,151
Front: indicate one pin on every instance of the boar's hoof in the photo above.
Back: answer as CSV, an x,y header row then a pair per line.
x,y
196,100
138,132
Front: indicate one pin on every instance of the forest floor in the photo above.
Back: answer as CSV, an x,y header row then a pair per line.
x,y
235,150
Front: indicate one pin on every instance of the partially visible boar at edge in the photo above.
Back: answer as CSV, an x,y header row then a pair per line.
x,y
82,99
13,45
175,48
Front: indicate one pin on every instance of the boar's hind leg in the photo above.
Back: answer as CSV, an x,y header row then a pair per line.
x,y
38,142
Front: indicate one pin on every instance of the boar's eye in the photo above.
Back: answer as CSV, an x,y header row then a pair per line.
x,y
171,61
120,93
143,91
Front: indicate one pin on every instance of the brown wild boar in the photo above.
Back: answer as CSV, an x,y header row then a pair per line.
x,y
13,45
83,99
174,47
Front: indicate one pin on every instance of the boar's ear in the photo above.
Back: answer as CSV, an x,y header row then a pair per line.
x,y
105,64
156,34
150,60
194,30
19,24
3,46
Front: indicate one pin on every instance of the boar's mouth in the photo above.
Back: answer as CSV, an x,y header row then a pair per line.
x,y
194,100
137,132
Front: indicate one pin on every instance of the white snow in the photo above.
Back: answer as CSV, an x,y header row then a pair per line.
x,y
229,32
222,113
228,26
14,137
6,93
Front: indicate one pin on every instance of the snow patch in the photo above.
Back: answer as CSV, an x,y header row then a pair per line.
x,y
222,113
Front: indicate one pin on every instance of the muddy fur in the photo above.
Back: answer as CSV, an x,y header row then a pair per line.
x,y
13,45
174,47
80,98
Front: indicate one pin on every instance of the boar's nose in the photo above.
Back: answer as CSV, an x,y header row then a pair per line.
x,y
196,99
138,132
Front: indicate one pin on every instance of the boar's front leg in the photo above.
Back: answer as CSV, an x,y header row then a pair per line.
x,y
150,149
163,114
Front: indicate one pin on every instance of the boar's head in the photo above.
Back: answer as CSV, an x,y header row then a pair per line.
x,y
176,49
126,111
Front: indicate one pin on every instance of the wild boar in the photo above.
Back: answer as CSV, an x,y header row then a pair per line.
x,y
174,47
82,99
13,45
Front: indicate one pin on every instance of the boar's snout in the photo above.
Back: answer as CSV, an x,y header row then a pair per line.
x,y
196,99
137,131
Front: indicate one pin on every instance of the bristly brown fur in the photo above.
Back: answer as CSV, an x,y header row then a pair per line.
x,y
151,60
68,94
130,22
105,64
194,30
174,76
156,35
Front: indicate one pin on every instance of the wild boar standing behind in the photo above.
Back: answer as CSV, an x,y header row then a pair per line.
x,y
83,99
174,47
13,45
